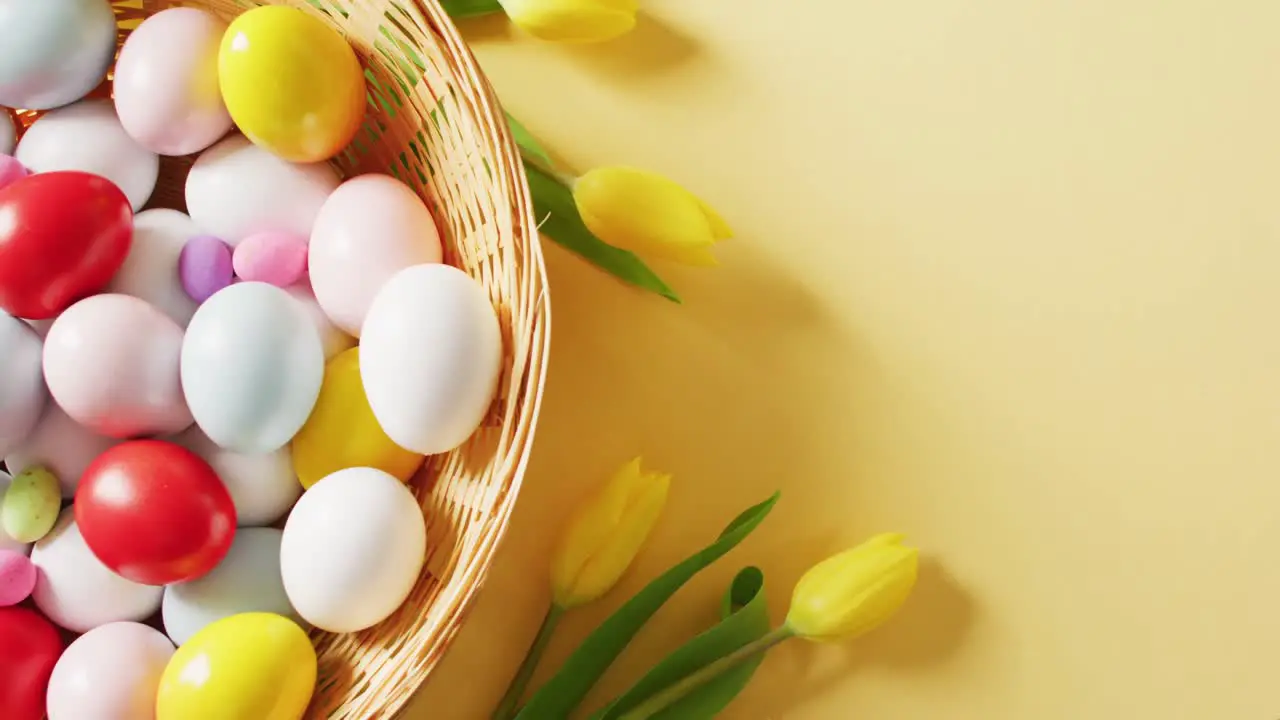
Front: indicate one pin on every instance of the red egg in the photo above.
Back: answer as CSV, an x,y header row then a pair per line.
x,y
29,648
155,512
63,235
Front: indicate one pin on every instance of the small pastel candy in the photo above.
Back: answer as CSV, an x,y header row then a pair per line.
x,y
11,170
31,505
17,577
275,258
205,267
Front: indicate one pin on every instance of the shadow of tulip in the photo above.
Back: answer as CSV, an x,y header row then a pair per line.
x,y
487,28
654,47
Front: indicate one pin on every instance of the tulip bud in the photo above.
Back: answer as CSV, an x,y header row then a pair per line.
x,y
573,21
605,534
649,214
854,592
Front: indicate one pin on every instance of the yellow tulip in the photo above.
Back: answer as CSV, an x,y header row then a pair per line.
x,y
573,21
649,214
854,592
605,534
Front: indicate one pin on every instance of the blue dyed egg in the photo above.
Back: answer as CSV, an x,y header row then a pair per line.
x,y
53,52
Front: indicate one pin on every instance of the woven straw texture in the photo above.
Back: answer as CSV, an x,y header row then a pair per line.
x,y
434,123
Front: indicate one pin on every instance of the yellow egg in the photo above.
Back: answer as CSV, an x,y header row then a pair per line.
x,y
342,431
252,665
291,83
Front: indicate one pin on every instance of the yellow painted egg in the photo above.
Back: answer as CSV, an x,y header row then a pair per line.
x,y
342,431
291,83
251,665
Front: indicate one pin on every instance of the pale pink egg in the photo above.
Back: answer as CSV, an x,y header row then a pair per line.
x,y
111,672
111,363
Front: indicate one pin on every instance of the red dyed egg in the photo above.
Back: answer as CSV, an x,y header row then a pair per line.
x,y
155,512
62,237
29,648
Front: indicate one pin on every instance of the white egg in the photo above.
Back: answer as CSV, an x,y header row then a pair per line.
x,y
262,486
237,188
6,542
22,390
53,52
246,580
331,336
252,365
111,672
150,270
8,135
430,357
76,591
60,444
87,136
352,551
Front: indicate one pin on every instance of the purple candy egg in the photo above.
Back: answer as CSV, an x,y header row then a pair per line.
x,y
275,258
11,170
205,267
17,577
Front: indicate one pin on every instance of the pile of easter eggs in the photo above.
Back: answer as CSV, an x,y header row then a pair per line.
x,y
208,419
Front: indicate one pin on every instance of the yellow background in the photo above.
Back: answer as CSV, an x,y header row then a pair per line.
x,y
1004,281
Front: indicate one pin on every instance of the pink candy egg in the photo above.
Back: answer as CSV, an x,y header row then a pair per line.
x,y
111,362
11,170
205,267
275,258
17,577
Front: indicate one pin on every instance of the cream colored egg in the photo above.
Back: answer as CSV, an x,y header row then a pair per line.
x,y
22,390
60,444
150,270
263,486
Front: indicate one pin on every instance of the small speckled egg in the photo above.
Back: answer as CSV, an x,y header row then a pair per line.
x,y
22,391
60,444
88,137
331,336
353,548
53,52
166,82
252,365
275,258
8,134
6,542
31,505
236,189
370,228
247,580
11,170
17,577
263,486
111,362
76,591
111,672
150,271
431,357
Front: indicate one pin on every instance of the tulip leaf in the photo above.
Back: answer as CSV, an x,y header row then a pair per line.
x,y
560,221
529,144
745,619
470,8
565,691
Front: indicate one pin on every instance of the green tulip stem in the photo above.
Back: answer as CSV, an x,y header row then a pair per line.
x,y
515,691
706,674
542,163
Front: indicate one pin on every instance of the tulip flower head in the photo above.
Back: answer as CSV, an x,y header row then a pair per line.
x,y
605,534
648,214
573,21
854,592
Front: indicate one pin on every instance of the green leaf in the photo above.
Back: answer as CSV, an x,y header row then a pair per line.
x,y
562,223
745,619
529,144
566,690
470,8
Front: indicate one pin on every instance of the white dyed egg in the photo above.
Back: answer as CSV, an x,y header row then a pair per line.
x,y
430,357
22,391
150,270
8,134
76,591
53,52
166,82
237,189
370,228
246,580
60,444
88,137
352,551
262,486
6,542
111,672
252,365
111,363
331,336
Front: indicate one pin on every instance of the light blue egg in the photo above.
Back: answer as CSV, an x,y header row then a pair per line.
x,y
53,52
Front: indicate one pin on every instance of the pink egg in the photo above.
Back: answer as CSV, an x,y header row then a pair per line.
x,y
166,82
111,363
275,258
111,672
17,577
11,170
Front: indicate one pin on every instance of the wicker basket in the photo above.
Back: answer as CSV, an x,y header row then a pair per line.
x,y
435,123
